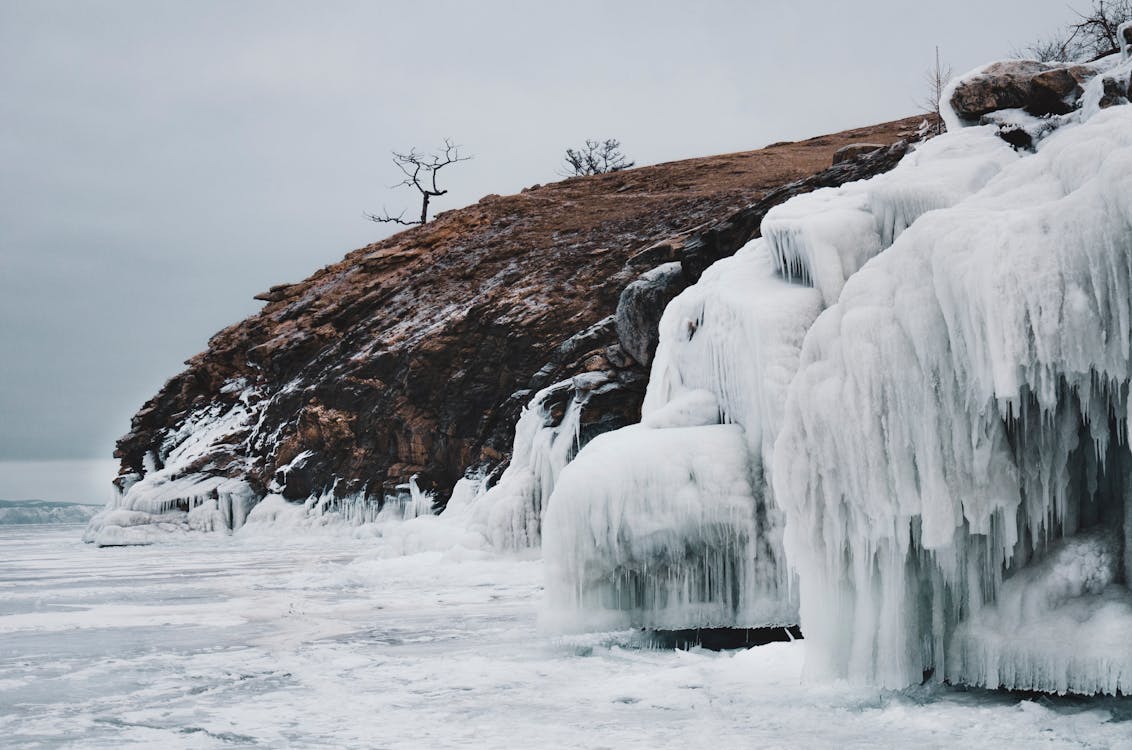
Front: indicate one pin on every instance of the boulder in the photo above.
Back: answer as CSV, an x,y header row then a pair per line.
x,y
641,305
1056,91
1115,92
1003,85
855,151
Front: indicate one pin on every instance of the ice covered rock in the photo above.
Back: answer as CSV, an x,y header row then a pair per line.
x,y
1059,624
823,237
509,512
670,524
729,347
960,409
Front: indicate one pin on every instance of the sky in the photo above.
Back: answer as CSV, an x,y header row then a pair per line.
x,y
163,162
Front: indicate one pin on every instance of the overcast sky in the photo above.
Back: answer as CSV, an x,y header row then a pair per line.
x,y
162,162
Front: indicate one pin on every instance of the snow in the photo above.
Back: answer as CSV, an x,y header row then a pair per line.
x,y
294,641
959,409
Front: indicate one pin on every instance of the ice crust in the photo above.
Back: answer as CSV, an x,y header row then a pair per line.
x,y
1060,624
633,541
960,409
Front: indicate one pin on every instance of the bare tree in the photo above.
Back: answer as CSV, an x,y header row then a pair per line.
x,y
937,78
420,173
1095,34
596,157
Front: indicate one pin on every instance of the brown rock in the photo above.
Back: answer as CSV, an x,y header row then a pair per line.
x,y
275,293
1003,85
854,151
1114,93
415,354
1056,91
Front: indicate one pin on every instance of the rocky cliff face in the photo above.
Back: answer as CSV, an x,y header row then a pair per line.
x,y
414,355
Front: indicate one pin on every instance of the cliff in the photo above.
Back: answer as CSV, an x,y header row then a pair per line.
x,y
415,355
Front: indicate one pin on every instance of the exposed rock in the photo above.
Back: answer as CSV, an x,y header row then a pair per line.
x,y
415,355
275,293
1055,92
854,151
1003,85
1115,92
641,305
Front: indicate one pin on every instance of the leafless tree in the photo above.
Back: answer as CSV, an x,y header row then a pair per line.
x,y
1092,37
596,157
936,78
420,173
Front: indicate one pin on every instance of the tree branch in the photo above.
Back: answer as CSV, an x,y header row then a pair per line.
x,y
420,172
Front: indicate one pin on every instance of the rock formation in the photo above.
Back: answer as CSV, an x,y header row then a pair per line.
x,y
413,356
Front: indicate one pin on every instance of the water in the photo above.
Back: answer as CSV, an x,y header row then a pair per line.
x,y
326,640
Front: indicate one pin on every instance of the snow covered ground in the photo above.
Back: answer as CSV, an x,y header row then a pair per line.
x,y
335,639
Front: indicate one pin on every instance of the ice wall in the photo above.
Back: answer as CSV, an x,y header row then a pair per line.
x,y
961,409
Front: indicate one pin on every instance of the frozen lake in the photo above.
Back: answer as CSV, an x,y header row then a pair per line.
x,y
324,639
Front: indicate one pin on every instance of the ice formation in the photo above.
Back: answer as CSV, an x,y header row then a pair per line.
x,y
669,524
959,420
509,512
952,464
175,496
629,524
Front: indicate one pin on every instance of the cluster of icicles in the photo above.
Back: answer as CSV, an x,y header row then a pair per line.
x,y
899,418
